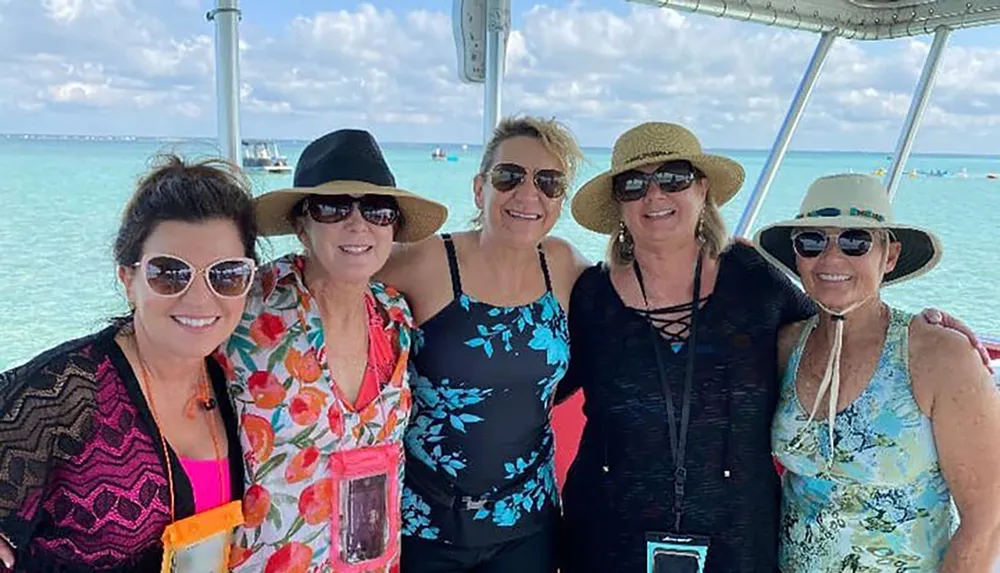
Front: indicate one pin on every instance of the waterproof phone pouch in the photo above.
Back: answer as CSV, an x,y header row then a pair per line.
x,y
675,553
200,543
364,519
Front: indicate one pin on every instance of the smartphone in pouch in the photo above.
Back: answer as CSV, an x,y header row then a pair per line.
x,y
364,522
675,553
365,518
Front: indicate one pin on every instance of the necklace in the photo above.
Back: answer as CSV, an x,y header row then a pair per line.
x,y
144,380
202,399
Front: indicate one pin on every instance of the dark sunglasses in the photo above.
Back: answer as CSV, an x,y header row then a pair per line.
x,y
506,176
380,210
671,177
170,276
852,242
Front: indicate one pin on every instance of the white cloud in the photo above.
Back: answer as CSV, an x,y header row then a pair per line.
x,y
145,66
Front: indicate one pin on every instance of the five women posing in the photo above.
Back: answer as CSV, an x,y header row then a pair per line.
x,y
365,407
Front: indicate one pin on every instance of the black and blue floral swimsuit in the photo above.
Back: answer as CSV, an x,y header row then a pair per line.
x,y
479,445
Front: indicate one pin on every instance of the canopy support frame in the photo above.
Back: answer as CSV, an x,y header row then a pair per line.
x,y
226,16
788,128
915,115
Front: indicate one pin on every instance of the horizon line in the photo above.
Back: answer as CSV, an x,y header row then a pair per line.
x,y
209,138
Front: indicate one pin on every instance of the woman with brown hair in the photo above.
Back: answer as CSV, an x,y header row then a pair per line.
x,y
115,443
318,367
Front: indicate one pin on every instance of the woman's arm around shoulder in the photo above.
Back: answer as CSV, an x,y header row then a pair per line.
x,y
409,264
566,264
420,271
951,385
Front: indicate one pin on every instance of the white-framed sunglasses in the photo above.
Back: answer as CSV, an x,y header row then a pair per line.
x,y
171,276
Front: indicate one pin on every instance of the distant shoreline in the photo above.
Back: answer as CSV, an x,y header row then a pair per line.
x,y
420,144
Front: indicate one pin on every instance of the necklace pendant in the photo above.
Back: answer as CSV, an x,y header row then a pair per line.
x,y
191,408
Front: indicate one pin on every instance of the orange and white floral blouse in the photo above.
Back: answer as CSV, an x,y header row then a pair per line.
x,y
324,476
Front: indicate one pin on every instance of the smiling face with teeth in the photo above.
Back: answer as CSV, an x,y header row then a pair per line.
x,y
196,323
838,281
660,219
523,215
352,250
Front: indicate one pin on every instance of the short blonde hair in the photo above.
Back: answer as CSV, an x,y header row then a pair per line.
x,y
554,136
711,231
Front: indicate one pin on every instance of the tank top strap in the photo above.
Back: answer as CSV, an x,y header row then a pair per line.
x,y
897,339
456,278
792,368
545,268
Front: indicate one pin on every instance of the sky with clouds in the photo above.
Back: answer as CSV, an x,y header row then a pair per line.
x,y
145,67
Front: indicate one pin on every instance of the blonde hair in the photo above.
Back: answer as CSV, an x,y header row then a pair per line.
x,y
554,136
711,231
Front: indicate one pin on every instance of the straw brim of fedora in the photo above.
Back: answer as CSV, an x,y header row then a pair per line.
x,y
594,208
921,249
421,217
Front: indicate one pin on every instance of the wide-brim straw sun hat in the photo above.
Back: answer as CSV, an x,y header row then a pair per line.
x,y
651,143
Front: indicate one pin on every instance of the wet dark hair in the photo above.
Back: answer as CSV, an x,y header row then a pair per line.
x,y
191,192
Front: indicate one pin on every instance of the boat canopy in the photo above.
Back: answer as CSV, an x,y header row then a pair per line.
x,y
852,19
481,29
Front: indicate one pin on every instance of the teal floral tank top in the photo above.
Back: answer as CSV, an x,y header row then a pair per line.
x,y
874,499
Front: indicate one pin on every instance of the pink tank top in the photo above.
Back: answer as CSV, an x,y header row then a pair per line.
x,y
204,477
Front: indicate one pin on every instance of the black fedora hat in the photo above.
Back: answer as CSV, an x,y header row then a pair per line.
x,y
347,162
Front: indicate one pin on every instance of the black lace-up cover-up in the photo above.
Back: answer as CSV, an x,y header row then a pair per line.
x,y
621,484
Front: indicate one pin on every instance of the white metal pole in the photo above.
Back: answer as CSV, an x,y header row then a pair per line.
x,y
497,23
788,128
916,113
227,77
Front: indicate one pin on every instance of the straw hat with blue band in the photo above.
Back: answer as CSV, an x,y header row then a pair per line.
x,y
848,201
851,201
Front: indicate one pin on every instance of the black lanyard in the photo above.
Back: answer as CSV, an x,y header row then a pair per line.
x,y
677,443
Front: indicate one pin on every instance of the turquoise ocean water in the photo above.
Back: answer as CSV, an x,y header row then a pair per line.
x,y
60,201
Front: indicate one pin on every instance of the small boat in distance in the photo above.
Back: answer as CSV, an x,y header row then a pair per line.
x,y
439,154
263,155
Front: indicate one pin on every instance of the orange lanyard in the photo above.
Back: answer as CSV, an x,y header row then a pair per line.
x,y
144,379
